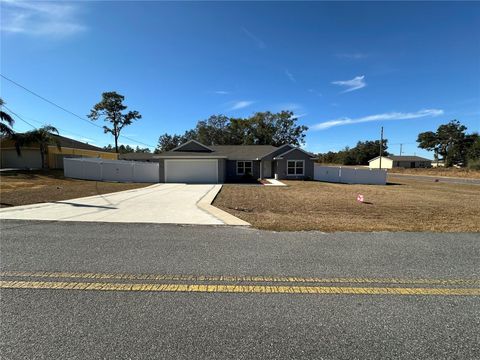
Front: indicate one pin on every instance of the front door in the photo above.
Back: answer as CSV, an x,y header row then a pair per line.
x,y
267,169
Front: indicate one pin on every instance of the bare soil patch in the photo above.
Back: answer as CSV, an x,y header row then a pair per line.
x,y
405,205
32,187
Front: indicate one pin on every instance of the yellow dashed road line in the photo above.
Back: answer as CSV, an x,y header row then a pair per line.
x,y
257,289
254,279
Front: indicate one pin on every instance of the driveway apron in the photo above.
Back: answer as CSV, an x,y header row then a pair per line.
x,y
159,203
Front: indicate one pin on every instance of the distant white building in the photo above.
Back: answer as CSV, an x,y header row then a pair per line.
x,y
438,163
395,161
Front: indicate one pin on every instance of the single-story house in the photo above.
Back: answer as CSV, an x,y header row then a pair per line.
x,y
395,161
30,157
193,162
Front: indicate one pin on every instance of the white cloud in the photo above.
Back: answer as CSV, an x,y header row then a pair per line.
x,y
356,83
221,92
241,104
378,117
36,18
298,116
259,42
288,106
290,76
354,56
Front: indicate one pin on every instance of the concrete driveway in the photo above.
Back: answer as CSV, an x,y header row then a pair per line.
x,y
160,203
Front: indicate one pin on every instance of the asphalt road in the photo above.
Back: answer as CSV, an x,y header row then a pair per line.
x,y
82,324
444,179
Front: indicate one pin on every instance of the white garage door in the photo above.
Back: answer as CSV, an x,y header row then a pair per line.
x,y
203,171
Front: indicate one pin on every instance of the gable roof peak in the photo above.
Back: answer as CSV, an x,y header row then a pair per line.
x,y
178,148
295,148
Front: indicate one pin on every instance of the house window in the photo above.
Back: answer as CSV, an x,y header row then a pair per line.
x,y
244,168
295,167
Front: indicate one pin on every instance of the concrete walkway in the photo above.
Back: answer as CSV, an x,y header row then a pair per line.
x,y
160,203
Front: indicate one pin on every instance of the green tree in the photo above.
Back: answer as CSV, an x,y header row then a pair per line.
x,y
146,150
111,110
428,141
266,128
125,149
368,150
168,142
6,122
109,148
474,150
213,131
287,131
241,132
358,155
44,137
449,142
262,128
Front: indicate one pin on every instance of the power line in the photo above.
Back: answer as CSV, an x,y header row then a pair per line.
x,y
68,111
19,117
42,123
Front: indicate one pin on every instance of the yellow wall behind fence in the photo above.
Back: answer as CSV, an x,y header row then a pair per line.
x,y
53,153
53,160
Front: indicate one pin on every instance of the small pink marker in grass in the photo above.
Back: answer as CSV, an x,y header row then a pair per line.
x,y
360,198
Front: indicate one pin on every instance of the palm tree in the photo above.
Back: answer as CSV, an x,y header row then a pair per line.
x,y
43,137
6,122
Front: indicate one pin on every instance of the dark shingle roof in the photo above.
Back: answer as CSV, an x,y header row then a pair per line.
x,y
71,143
136,156
402,158
232,152
407,158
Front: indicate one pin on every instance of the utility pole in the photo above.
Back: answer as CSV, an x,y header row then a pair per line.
x,y
401,149
381,147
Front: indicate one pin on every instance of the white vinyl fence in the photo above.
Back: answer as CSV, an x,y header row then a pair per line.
x,y
348,175
111,170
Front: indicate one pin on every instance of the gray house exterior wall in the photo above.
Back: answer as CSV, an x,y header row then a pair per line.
x,y
161,169
222,173
408,164
279,151
231,170
280,166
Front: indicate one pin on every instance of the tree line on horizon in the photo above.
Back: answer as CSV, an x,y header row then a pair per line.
x,y
450,143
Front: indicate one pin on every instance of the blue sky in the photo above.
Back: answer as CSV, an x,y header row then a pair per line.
x,y
345,69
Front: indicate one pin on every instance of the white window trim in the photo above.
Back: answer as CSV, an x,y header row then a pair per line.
x,y
303,168
244,161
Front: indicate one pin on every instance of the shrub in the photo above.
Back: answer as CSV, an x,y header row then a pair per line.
x,y
474,164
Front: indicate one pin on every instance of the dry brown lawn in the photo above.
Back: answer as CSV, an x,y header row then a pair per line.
x,y
407,205
449,172
31,187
